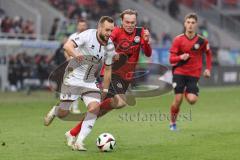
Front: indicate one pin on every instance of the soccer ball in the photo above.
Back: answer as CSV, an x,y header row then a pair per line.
x,y
106,142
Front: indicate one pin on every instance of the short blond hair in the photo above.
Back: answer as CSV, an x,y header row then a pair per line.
x,y
128,11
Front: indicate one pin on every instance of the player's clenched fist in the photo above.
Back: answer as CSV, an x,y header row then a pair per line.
x,y
79,57
184,56
116,57
206,73
146,35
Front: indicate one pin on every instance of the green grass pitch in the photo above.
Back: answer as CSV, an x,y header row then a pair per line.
x,y
209,130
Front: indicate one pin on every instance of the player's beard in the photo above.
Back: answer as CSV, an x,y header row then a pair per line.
x,y
103,38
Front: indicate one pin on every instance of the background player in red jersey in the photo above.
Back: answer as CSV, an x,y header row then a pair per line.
x,y
128,40
186,59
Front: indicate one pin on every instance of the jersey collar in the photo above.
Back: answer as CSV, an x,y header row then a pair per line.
x,y
190,38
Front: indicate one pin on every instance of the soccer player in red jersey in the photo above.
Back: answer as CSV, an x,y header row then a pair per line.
x,y
128,40
186,55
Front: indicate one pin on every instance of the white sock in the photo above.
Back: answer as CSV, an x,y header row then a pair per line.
x,y
56,110
75,105
87,126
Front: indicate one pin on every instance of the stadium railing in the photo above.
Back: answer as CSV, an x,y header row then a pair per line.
x,y
14,46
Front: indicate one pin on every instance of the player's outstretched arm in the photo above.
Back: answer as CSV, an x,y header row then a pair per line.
x,y
106,80
69,48
67,56
207,71
146,47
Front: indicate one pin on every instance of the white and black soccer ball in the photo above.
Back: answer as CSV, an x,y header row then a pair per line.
x,y
106,142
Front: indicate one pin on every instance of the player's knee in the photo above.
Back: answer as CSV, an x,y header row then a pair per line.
x,y
93,108
62,113
62,109
192,99
119,102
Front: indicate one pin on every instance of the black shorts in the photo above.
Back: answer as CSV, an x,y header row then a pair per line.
x,y
117,86
183,83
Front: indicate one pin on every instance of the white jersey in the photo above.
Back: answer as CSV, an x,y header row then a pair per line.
x,y
72,37
79,73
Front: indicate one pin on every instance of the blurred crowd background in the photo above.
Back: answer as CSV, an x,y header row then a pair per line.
x,y
32,32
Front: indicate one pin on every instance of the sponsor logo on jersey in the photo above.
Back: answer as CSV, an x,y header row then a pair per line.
x,y
119,85
137,39
196,46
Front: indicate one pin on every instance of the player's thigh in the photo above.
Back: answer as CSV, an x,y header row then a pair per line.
x,y
178,84
192,98
67,96
192,85
118,86
69,93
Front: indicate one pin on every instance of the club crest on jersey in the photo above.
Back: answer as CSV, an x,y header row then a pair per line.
x,y
196,46
119,85
137,39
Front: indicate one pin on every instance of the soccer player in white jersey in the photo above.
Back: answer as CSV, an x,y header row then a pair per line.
x,y
79,79
81,26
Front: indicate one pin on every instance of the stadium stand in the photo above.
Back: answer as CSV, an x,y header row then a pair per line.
x,y
54,19
16,27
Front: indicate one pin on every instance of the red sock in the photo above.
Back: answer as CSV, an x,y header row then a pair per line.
x,y
74,131
185,94
106,104
174,114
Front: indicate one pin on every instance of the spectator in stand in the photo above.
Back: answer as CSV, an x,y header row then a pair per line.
x,y
54,29
203,29
83,9
166,40
173,9
16,27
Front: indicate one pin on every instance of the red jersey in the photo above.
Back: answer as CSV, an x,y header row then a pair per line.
x,y
128,46
195,47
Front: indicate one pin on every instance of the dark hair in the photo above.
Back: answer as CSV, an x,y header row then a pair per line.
x,y
191,15
82,21
105,18
128,11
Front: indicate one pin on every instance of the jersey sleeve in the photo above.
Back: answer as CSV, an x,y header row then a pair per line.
x,y
175,46
72,36
208,55
146,47
110,52
114,34
81,38
174,57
